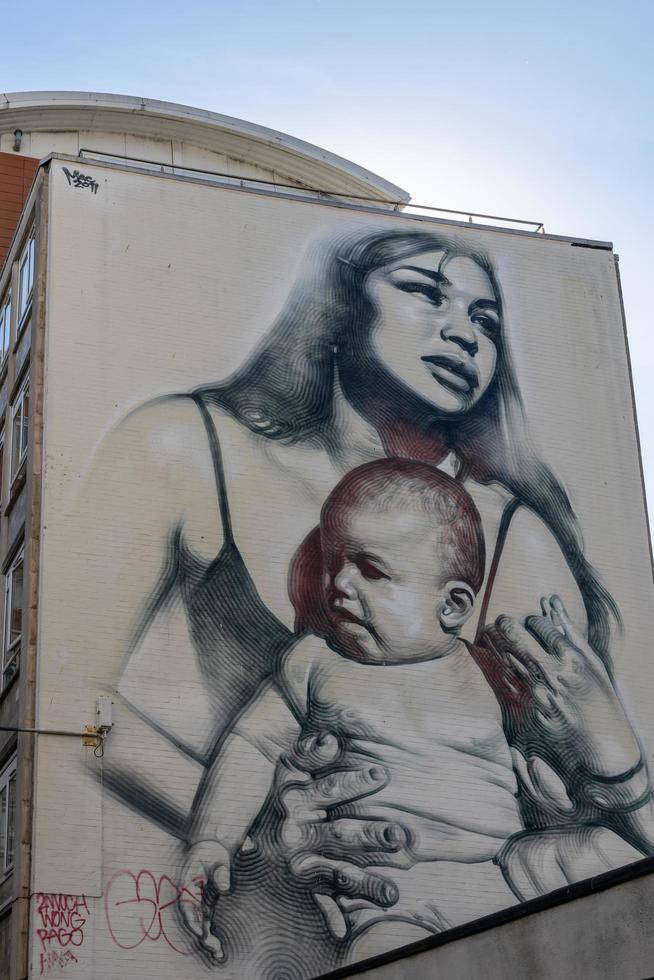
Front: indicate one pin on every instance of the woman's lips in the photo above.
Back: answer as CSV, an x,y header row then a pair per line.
x,y
461,376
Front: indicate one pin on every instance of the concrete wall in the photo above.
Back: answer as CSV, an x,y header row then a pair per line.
x,y
173,578
600,936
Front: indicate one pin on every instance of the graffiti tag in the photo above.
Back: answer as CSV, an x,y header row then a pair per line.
x,y
55,957
61,919
77,179
142,906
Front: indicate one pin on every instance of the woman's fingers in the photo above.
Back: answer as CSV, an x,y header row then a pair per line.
x,y
566,623
331,913
316,751
519,641
355,835
549,611
518,666
307,801
326,876
521,769
309,755
542,695
343,786
574,634
525,648
549,637
530,865
550,786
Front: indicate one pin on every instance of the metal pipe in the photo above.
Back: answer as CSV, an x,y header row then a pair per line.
x,y
539,226
43,731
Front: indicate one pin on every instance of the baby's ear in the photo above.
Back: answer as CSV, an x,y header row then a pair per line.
x,y
458,605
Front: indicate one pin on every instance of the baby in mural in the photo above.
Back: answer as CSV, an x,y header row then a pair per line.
x,y
396,566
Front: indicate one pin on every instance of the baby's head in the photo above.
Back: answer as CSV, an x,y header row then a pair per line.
x,y
403,559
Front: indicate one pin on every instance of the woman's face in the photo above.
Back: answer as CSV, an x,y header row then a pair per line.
x,y
437,328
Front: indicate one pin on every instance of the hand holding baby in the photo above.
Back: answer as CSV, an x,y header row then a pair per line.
x,y
575,713
316,850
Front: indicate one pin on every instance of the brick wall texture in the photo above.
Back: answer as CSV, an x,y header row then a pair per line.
x,y
16,176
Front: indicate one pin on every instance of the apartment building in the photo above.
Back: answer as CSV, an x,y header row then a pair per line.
x,y
134,134
248,405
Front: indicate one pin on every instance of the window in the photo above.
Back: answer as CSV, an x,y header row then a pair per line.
x,y
26,278
7,811
20,414
5,326
13,619
2,462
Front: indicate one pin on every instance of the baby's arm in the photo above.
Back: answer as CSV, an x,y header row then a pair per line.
x,y
237,781
236,784
232,793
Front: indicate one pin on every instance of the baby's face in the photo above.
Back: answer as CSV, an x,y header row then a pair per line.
x,y
381,576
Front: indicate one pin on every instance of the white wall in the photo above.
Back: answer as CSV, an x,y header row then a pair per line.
x,y
156,286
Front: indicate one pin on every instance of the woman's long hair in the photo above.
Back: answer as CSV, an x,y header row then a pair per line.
x,y
285,391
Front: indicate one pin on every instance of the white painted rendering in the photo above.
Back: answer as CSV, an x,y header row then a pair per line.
x,y
156,286
180,136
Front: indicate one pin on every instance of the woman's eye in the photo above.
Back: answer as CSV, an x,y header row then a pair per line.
x,y
432,293
487,323
370,571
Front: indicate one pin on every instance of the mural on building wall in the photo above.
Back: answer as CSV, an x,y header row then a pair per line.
x,y
382,760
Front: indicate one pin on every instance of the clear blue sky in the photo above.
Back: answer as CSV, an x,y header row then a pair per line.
x,y
533,109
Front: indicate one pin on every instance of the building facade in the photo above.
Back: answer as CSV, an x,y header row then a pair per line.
x,y
157,136
325,557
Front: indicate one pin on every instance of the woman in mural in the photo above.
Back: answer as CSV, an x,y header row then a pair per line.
x,y
394,345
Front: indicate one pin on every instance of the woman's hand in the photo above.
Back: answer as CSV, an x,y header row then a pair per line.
x,y
575,710
537,863
332,857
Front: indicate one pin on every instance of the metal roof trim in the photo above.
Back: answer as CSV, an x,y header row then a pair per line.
x,y
311,165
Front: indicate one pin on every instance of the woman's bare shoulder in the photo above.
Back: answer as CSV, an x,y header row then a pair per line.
x,y
157,458
162,430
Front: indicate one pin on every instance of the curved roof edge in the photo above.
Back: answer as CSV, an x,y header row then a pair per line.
x,y
258,145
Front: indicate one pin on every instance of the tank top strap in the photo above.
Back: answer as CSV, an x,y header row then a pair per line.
x,y
218,468
503,530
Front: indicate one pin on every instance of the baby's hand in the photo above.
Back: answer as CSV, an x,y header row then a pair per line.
x,y
207,867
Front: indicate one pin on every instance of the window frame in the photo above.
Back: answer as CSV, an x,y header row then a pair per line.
x,y
11,649
26,261
5,326
7,777
3,463
18,405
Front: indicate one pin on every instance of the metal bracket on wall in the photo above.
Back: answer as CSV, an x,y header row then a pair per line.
x,y
92,736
